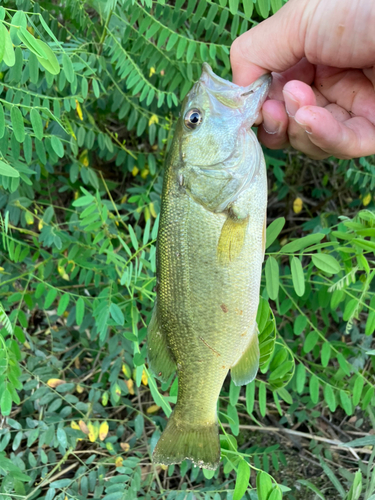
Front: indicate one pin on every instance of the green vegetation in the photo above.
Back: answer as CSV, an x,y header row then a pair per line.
x,y
89,95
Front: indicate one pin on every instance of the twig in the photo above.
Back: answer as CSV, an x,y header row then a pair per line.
x,y
337,444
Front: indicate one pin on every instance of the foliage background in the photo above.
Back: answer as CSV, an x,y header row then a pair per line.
x,y
89,95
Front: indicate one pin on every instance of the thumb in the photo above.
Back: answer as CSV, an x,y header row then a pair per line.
x,y
276,44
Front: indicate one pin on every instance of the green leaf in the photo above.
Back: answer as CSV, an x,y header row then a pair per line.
x,y
357,390
326,263
7,170
298,276
68,68
263,7
63,304
133,238
314,389
312,487
300,378
248,6
37,124
299,324
310,341
17,124
326,354
242,480
360,442
117,314
57,146
19,19
80,311
50,63
233,6
31,43
250,397
233,419
272,277
50,297
171,42
6,402
336,483
262,399
329,397
297,245
275,495
234,392
276,5
346,403
264,485
190,51
3,34
273,230
8,54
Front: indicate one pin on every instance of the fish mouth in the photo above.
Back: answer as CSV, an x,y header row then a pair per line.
x,y
215,82
235,96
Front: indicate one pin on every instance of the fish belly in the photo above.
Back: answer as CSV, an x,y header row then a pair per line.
x,y
207,309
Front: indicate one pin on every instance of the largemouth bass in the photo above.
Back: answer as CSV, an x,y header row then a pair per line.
x,y
210,251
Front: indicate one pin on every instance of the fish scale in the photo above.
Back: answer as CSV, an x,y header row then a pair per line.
x,y
210,251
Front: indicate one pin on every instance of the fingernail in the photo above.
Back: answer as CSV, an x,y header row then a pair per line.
x,y
306,128
270,126
291,105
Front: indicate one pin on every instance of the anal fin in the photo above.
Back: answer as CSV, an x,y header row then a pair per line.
x,y
231,240
245,370
160,357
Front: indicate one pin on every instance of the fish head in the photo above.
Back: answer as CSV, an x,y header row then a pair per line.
x,y
213,114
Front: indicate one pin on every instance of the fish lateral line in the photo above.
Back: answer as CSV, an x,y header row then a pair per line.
x,y
208,345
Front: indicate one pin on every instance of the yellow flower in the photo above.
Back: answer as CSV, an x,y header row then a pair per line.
x,y
297,205
145,173
153,119
79,389
152,72
118,462
366,199
79,110
75,426
135,171
40,225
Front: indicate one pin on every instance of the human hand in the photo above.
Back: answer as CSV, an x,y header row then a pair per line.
x,y
322,99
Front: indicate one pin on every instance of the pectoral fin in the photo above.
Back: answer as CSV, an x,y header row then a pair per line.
x,y
160,357
247,367
231,240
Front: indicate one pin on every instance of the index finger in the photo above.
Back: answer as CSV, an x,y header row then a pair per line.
x,y
276,44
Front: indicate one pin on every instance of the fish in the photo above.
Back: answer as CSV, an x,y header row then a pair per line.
x,y
210,250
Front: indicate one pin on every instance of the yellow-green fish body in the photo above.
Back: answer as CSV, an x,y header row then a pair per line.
x,y
210,251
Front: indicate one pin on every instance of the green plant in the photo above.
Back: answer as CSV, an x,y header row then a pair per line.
x,y
89,95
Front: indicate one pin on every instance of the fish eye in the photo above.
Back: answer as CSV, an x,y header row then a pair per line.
x,y
193,118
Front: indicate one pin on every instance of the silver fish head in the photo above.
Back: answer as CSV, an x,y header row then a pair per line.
x,y
213,114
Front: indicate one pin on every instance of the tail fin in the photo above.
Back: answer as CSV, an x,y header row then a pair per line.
x,y
181,440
